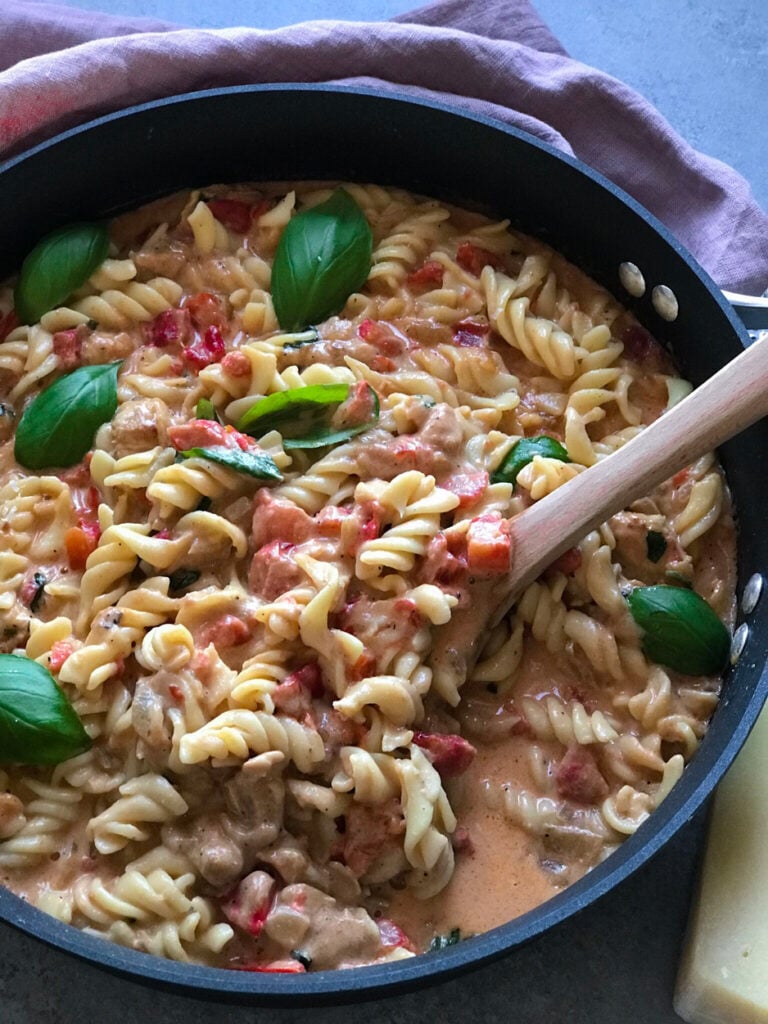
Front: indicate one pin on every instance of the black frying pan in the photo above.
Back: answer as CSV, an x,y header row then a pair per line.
x,y
308,132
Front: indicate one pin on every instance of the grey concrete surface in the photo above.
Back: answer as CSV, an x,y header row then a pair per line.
x,y
702,63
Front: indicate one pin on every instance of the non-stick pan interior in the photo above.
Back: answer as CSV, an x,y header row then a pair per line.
x,y
305,132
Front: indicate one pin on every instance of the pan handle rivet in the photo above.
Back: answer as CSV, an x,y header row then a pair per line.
x,y
752,593
665,302
631,277
739,642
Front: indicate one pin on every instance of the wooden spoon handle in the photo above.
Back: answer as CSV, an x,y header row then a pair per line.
x,y
732,400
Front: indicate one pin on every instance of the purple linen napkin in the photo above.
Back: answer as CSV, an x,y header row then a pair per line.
x,y
494,57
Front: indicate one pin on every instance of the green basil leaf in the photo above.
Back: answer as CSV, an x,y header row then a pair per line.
x,y
257,464
58,426
655,545
57,266
206,410
38,725
680,630
287,407
324,255
524,452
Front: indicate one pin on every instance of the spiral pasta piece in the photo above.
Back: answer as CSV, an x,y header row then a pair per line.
x,y
147,799
236,734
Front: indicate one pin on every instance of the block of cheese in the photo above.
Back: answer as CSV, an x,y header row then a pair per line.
x,y
724,973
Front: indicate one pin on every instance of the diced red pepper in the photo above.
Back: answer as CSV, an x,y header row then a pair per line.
x,y
383,364
369,530
429,274
451,754
233,213
276,967
176,692
406,607
473,258
329,519
206,310
8,323
171,327
468,487
236,364
392,935
489,544
206,350
60,651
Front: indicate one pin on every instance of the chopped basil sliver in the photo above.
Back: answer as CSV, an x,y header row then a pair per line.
x,y
439,942
206,410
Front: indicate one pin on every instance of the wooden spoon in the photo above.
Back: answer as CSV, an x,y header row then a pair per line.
x,y
732,400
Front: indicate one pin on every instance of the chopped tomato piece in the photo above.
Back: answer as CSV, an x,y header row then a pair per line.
x,y
206,310
176,692
208,434
278,519
60,651
206,350
8,323
383,364
227,631
578,777
489,544
364,666
468,487
680,478
568,562
392,935
473,258
233,214
80,544
429,274
329,519
451,754
385,337
310,677
68,346
276,967
171,327
236,364
469,334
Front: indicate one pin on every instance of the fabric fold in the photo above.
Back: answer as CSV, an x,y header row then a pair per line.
x,y
496,59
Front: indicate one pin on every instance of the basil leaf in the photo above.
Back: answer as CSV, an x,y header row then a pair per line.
x,y
655,545
206,410
58,265
285,407
681,631
524,452
257,464
38,725
58,426
324,255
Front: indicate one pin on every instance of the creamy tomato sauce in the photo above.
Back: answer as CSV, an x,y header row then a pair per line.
x,y
306,748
